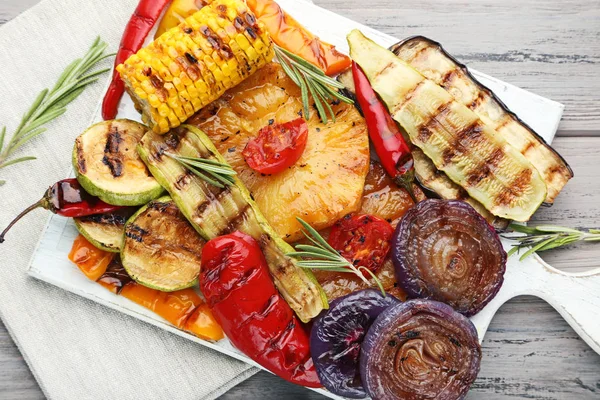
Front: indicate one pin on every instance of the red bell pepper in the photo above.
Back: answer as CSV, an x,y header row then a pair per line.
x,y
237,286
69,199
143,19
391,147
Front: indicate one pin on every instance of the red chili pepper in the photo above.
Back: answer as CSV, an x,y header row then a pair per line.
x,y
143,19
392,149
237,286
69,199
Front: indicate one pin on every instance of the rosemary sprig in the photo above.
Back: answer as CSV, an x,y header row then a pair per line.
x,y
313,83
546,237
52,103
211,171
322,256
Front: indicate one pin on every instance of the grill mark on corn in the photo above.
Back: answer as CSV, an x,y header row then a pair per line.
x,y
516,188
113,159
234,223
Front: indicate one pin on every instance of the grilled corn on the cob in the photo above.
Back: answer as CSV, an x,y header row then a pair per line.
x,y
458,142
194,63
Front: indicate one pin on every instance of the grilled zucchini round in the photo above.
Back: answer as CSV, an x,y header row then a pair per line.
x,y
162,250
105,231
108,166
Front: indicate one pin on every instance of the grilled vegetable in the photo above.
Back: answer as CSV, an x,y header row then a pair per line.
x,y
161,250
391,147
436,181
108,167
327,181
66,198
105,231
195,63
140,24
236,284
336,337
420,349
89,259
444,250
470,152
430,59
183,308
217,211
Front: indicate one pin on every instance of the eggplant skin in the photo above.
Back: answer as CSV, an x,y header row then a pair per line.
x,y
435,63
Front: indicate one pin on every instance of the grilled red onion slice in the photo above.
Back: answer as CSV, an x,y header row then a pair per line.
x,y
336,338
444,250
420,349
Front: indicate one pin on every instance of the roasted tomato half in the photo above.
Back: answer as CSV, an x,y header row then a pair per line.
x,y
364,240
277,146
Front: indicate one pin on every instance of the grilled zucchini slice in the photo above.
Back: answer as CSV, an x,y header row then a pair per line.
x,y
458,142
436,181
105,231
217,211
108,166
430,59
161,249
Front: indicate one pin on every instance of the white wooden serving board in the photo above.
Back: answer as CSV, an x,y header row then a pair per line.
x,y
575,296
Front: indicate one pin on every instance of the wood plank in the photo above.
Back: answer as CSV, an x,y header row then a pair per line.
x,y
550,47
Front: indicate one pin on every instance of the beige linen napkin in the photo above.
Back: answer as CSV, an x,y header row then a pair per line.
x,y
78,349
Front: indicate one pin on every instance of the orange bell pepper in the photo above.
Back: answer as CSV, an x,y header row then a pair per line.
x,y
89,259
289,34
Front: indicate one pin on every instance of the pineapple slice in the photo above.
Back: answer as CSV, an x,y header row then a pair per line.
x,y
328,180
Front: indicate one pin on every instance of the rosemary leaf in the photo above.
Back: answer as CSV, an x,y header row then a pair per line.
x,y
51,104
221,173
324,257
313,83
547,237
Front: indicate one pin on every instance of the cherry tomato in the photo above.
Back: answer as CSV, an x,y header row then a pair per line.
x,y
364,240
277,146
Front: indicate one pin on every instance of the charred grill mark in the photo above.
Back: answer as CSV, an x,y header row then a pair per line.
x,y
530,145
507,120
234,223
419,52
251,33
410,95
163,207
447,78
156,82
112,158
183,180
250,20
478,175
202,207
426,129
515,189
469,136
105,219
495,158
238,23
191,58
173,139
226,191
213,39
424,134
136,233
478,101
81,165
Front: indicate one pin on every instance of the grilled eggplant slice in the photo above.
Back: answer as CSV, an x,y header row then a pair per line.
x,y
217,211
108,166
105,231
430,59
162,250
458,142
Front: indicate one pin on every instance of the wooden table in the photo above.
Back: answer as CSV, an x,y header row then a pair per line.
x,y
551,47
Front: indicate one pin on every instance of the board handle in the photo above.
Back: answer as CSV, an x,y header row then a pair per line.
x,y
576,296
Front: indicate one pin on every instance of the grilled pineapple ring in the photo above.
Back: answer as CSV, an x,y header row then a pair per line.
x,y
108,166
327,181
161,250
